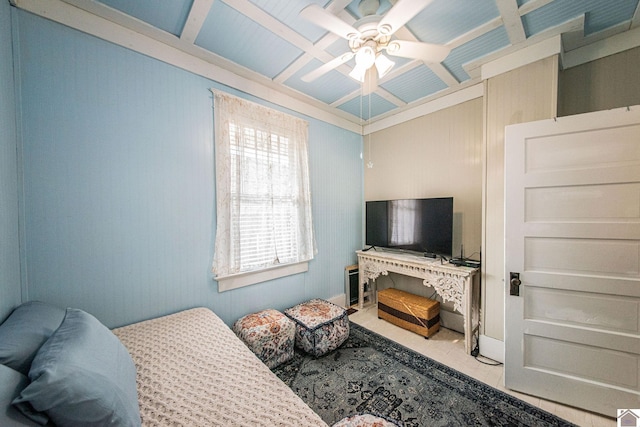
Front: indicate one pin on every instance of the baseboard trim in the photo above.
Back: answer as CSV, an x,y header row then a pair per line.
x,y
492,348
339,300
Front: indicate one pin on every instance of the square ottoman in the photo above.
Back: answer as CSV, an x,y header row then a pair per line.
x,y
321,326
269,334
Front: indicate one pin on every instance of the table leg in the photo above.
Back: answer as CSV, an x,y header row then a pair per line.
x,y
468,315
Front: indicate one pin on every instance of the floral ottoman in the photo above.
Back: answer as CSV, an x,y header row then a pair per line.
x,y
269,334
364,420
321,326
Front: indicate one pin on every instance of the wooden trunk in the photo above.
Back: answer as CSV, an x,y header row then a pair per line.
x,y
412,312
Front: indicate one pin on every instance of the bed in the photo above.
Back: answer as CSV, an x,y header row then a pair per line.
x,y
186,369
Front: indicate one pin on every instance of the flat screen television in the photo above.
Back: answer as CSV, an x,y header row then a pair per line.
x,y
421,225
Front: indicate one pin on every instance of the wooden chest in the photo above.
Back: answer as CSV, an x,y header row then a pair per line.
x,y
412,312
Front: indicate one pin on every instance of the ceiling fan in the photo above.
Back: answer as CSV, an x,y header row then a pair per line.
x,y
370,36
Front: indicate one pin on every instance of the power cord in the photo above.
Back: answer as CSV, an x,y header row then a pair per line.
x,y
477,357
476,351
476,354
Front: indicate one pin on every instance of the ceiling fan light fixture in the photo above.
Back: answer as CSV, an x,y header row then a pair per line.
x,y
383,65
371,34
365,57
385,30
393,47
358,73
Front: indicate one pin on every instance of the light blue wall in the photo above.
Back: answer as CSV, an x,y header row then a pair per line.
x,y
119,203
9,237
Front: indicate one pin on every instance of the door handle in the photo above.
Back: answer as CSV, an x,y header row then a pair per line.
x,y
514,284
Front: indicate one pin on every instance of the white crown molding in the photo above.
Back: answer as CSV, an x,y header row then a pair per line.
x,y
601,48
575,25
525,56
445,101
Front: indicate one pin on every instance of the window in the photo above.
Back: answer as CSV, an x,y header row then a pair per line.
x,y
263,197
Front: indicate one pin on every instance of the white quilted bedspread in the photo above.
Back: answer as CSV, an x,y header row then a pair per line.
x,y
194,371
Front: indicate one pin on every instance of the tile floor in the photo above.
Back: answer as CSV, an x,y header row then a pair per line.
x,y
447,347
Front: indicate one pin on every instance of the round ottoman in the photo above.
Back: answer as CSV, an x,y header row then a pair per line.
x,y
321,326
269,334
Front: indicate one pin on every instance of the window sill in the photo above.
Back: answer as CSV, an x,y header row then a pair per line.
x,y
234,281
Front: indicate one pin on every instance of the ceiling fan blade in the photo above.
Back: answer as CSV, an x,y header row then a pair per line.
x,y
427,52
335,62
400,14
316,14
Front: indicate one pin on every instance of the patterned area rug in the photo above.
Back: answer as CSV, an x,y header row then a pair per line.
x,y
371,374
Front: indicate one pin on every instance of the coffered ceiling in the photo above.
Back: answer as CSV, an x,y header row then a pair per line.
x,y
270,47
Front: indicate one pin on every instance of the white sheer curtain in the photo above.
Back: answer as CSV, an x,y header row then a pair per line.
x,y
263,197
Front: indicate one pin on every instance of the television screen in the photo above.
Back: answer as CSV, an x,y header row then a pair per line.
x,y
423,225
377,224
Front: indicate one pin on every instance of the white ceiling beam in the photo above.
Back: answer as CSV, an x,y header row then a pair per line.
x,y
475,33
379,91
473,67
318,52
532,5
465,92
383,93
306,57
338,5
348,97
576,40
532,53
444,74
267,21
293,68
197,15
396,71
511,20
601,48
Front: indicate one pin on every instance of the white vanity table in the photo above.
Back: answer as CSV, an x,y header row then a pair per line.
x,y
460,285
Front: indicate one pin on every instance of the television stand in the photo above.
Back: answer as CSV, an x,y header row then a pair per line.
x,y
458,284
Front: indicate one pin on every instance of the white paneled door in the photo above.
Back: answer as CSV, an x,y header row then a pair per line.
x,y
572,259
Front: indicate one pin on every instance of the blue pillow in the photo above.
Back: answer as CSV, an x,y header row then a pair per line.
x,y
82,375
11,383
24,331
